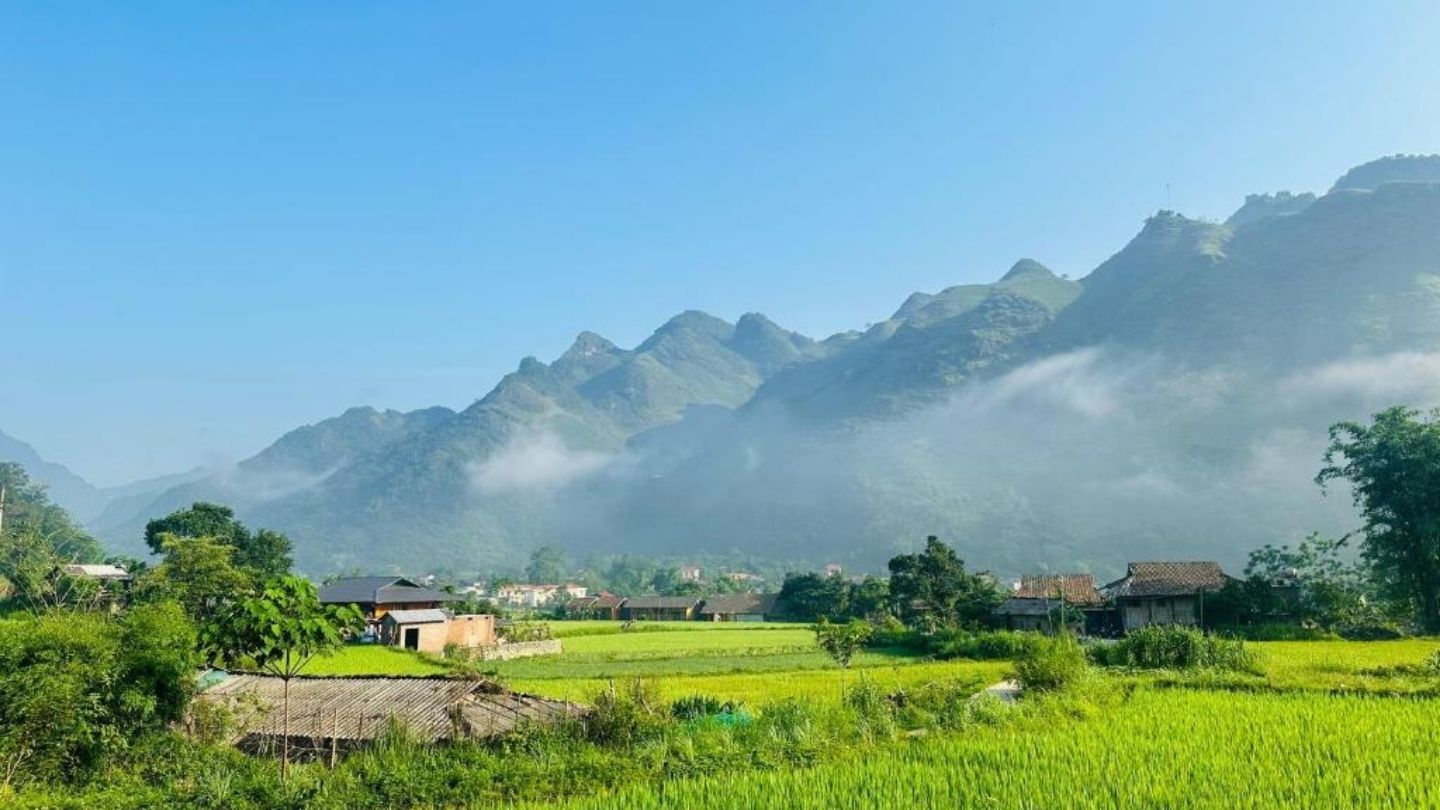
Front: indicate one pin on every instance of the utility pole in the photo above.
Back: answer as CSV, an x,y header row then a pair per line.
x,y
2,509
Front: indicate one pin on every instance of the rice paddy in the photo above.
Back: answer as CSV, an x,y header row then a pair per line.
x,y
1327,724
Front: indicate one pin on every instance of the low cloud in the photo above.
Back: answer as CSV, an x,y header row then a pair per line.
x,y
535,462
1400,377
1070,382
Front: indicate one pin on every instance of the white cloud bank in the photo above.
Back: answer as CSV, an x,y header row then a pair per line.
x,y
534,461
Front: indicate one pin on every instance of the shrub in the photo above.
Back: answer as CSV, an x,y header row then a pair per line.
x,y
1054,662
995,645
1175,647
626,715
1371,632
695,707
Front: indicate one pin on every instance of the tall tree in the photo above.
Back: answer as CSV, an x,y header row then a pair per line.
x,y
28,510
199,573
547,565
280,630
1393,467
932,589
266,553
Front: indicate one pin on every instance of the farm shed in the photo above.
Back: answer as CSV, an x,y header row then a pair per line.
x,y
738,607
330,715
1165,592
422,630
376,596
660,608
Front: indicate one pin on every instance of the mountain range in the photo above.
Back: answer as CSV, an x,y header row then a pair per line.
x,y
1172,403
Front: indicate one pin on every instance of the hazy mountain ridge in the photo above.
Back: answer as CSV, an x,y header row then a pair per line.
x,y
1035,420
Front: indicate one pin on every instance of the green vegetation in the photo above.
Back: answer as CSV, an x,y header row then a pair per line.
x,y
1161,647
1177,749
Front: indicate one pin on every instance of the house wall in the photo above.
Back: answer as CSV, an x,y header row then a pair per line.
x,y
1137,613
659,614
432,635
379,610
476,630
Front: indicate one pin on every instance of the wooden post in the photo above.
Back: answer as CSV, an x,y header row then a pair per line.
x,y
334,736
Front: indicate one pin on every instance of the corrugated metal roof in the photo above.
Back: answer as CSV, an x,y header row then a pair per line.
x,y
429,616
361,708
98,571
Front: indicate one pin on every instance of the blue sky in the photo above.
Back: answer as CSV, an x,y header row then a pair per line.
x,y
221,221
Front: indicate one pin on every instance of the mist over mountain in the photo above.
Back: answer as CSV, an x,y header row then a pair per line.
x,y
1171,403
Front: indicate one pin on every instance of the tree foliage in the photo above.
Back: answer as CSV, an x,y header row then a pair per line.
x,y
1393,468
842,641
932,589
198,572
266,553
77,688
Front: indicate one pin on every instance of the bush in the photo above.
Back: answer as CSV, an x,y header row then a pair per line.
x,y
1053,662
1175,647
695,707
1277,631
626,715
996,645
1371,632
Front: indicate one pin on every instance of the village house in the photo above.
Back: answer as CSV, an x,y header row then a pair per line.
x,y
738,607
430,630
1034,599
376,596
659,608
605,606
1164,592
332,716
111,581
534,595
689,573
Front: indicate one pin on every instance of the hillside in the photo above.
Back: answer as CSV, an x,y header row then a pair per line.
x,y
1174,400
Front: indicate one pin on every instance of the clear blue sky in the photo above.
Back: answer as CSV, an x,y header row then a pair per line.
x,y
219,221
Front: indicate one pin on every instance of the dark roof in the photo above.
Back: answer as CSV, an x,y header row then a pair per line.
x,y
739,603
1078,589
662,602
608,600
1145,579
1025,606
581,603
372,590
361,708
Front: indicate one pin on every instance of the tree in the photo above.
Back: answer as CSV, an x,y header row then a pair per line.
x,y
29,511
267,553
842,641
279,631
1393,467
810,596
931,589
547,565
199,573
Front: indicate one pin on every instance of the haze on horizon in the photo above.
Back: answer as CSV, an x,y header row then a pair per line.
x,y
220,223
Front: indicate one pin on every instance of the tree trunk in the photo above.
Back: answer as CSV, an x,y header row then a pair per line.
x,y
285,741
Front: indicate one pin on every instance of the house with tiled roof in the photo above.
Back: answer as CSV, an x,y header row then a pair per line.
x,y
737,607
1033,602
376,596
1165,592
659,608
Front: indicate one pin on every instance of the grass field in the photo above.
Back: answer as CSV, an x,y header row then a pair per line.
x,y
1157,749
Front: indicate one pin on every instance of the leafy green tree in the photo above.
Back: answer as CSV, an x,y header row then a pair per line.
x,y
932,589
29,511
1393,468
870,599
809,596
279,631
197,572
842,641
267,553
547,565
